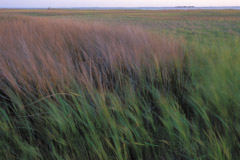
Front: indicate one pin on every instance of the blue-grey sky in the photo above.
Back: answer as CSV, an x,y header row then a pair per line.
x,y
115,3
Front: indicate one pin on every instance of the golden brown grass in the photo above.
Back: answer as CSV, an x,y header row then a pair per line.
x,y
41,55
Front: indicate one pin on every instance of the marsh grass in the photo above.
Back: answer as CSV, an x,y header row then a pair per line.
x,y
71,90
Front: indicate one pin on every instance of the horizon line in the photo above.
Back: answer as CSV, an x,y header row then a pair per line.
x,y
184,6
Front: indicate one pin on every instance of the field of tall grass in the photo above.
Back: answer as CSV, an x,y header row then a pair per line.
x,y
94,90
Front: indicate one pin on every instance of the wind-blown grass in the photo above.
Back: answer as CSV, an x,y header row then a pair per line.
x,y
70,90
89,54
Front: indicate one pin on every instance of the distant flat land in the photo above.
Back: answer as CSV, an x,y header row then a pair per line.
x,y
176,22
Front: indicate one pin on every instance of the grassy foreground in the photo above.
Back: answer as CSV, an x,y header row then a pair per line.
x,y
73,89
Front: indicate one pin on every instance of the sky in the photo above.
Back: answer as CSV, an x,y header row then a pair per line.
x,y
113,3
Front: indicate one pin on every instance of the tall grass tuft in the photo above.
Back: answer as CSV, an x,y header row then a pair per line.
x,y
45,56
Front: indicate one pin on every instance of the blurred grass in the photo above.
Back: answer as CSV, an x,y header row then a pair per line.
x,y
177,22
195,117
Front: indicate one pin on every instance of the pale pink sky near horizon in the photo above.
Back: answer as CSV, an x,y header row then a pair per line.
x,y
114,3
